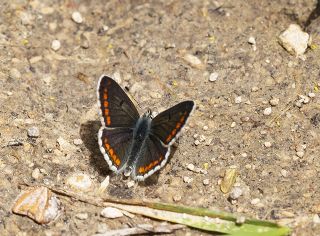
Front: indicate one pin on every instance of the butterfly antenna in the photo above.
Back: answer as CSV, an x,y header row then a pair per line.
x,y
132,97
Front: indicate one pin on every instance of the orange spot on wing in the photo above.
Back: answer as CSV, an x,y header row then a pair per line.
x,y
105,94
108,120
111,152
173,132
117,161
106,104
106,112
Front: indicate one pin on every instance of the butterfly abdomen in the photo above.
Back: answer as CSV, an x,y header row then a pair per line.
x,y
141,132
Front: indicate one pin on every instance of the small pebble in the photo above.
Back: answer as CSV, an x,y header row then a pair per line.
x,y
190,167
33,132
111,213
202,138
213,76
36,173
244,155
311,95
196,142
130,184
205,128
267,111
284,173
14,73
206,182
187,179
82,216
274,101
76,17
55,45
267,144
255,201
77,141
80,182
300,154
294,40
177,198
193,61
238,100
316,219
233,124
252,40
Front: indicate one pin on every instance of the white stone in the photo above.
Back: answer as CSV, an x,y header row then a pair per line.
x,y
82,216
77,141
267,144
130,184
284,173
187,179
233,124
235,193
117,77
294,40
205,128
111,213
36,173
311,95
213,76
316,219
274,101
55,45
267,111
255,201
206,182
76,17
33,132
193,61
238,100
80,182
190,167
197,142
252,40
300,153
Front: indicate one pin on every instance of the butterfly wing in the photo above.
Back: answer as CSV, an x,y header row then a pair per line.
x,y
115,145
168,124
151,158
116,108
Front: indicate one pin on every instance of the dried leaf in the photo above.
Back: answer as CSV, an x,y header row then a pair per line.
x,y
39,204
228,180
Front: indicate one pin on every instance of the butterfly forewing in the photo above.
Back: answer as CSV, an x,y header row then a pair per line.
x,y
115,145
116,108
168,124
151,158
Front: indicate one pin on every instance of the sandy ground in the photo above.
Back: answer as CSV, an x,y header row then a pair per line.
x,y
143,43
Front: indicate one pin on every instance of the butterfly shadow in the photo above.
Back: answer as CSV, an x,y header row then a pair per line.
x,y
88,134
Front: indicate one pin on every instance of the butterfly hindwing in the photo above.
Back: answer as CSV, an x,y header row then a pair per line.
x,y
168,124
115,144
116,108
151,158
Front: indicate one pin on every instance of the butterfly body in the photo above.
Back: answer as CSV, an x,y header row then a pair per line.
x,y
133,144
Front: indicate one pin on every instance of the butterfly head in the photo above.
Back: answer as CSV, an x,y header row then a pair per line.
x,y
148,114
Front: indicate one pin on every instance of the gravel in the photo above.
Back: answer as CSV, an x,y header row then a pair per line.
x,y
33,132
55,45
213,76
76,17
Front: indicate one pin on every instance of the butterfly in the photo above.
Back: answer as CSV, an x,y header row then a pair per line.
x,y
136,145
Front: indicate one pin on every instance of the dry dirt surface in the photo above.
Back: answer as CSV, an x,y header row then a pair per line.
x,y
51,89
